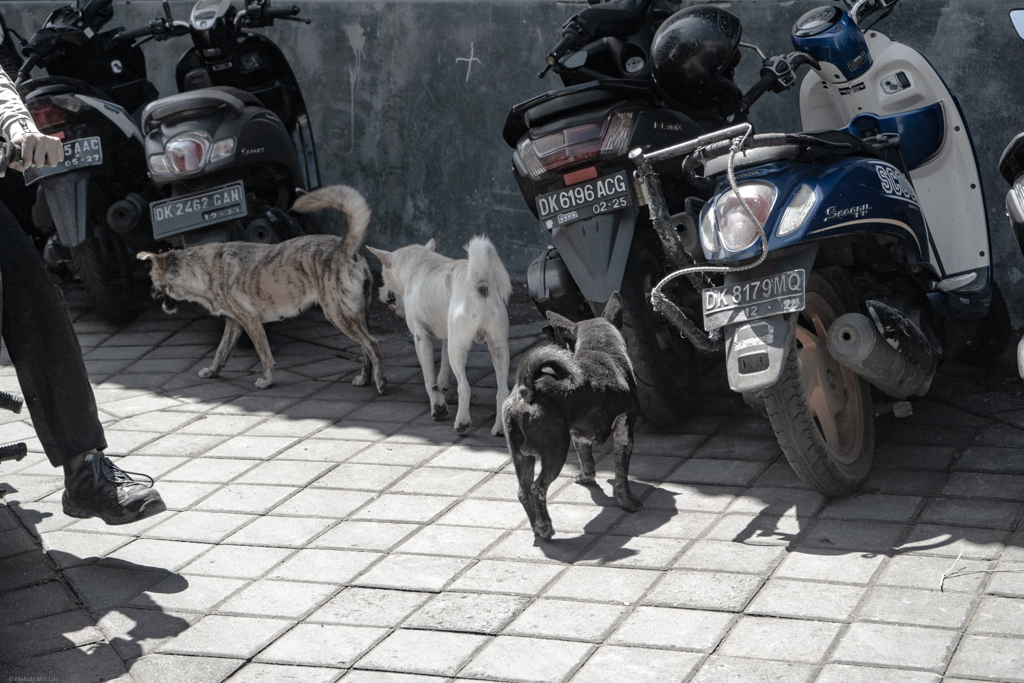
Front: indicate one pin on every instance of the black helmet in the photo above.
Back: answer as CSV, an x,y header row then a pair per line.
x,y
693,56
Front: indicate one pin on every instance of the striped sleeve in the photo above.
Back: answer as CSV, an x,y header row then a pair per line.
x,y
14,117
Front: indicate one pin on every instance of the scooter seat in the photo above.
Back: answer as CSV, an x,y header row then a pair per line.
x,y
193,101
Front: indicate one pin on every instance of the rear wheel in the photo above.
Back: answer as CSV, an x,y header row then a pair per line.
x,y
664,364
107,271
821,411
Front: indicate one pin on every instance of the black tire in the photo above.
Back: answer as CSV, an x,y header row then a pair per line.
x,y
107,272
836,464
664,364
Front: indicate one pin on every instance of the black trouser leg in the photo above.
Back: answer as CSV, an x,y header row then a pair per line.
x,y
43,345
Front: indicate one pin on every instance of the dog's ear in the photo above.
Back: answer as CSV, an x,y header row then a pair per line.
x,y
146,256
431,245
564,328
384,256
613,310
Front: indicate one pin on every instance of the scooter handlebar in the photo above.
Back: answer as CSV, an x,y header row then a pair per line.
x,y
31,63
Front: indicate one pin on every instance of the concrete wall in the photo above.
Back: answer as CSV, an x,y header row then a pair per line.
x,y
408,99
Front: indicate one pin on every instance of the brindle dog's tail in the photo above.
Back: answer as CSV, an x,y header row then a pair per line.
x,y
547,368
345,199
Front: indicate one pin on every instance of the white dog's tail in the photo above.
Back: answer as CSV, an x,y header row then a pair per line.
x,y
341,198
486,271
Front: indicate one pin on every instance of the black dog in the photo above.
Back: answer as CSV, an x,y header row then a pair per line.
x,y
586,396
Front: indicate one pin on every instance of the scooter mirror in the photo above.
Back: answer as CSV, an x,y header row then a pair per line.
x,y
1017,19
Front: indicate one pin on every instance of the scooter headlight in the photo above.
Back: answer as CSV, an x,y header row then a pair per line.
x,y
736,229
187,152
708,234
797,211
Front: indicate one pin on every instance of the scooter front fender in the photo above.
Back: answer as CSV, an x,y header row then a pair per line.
x,y
66,196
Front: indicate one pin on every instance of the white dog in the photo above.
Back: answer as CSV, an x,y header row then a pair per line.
x,y
459,302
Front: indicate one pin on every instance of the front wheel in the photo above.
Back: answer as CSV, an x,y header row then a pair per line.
x,y
821,411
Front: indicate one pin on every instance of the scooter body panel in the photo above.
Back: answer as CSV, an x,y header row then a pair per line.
x,y
854,195
900,80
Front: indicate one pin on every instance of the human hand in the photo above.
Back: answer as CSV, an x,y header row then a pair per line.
x,y
38,150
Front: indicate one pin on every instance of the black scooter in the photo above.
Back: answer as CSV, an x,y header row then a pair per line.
x,y
95,82
231,152
572,168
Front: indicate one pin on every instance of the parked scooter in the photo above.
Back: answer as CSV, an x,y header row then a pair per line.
x,y
854,256
95,80
624,89
233,149
1011,167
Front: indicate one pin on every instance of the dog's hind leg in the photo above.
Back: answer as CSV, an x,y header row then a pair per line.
x,y
458,354
525,466
232,331
551,462
585,450
358,330
622,439
499,357
425,354
254,328
444,375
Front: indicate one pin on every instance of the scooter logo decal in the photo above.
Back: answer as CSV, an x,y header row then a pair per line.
x,y
856,87
895,184
852,212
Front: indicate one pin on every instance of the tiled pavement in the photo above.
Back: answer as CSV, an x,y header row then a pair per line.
x,y
320,533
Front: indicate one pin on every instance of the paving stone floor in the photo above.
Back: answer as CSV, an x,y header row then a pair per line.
x,y
317,532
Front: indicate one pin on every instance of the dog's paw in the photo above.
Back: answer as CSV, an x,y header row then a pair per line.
x,y
382,388
207,373
498,430
584,479
361,380
545,531
263,383
439,411
631,505
461,427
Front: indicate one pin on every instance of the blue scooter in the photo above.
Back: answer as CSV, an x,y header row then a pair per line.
x,y
852,255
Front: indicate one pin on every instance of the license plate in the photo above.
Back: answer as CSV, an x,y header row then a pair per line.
x,y
585,200
80,153
181,214
771,295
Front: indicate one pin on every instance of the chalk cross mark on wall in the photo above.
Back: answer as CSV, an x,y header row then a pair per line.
x,y
469,61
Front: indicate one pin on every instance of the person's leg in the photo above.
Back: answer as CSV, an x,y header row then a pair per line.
x,y
47,358
43,345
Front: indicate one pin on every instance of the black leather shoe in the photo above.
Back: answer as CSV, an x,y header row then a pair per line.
x,y
99,488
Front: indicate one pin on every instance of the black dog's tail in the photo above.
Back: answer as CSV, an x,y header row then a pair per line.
x,y
547,367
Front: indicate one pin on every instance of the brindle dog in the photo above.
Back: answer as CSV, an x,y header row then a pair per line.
x,y
250,284
585,396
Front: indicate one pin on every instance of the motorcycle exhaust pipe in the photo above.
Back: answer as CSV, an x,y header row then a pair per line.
x,y
901,371
123,216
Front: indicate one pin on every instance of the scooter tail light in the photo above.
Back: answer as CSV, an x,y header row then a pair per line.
x,y
187,153
797,212
222,149
736,229
575,145
616,137
47,116
158,164
525,157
